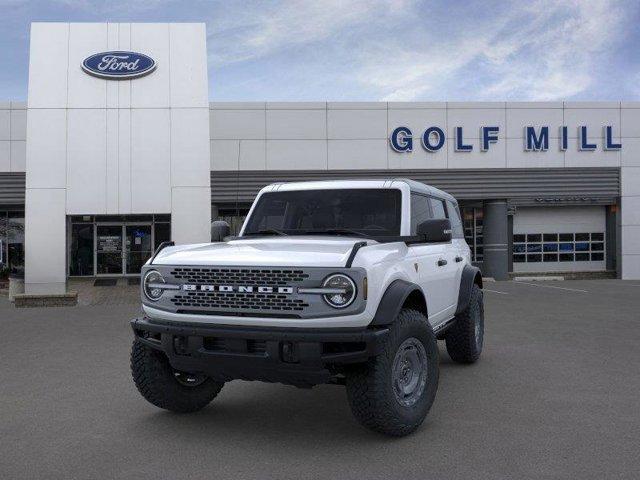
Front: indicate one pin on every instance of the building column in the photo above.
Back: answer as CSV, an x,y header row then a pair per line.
x,y
495,240
611,227
630,221
190,215
45,241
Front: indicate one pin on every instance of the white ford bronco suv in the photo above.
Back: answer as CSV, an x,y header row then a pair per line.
x,y
343,282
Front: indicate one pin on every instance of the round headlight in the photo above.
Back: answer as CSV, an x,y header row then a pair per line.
x,y
151,279
344,290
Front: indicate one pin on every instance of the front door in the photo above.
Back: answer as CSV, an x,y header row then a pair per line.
x,y
122,249
435,273
109,259
138,247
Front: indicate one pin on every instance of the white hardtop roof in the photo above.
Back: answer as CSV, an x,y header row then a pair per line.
x,y
414,186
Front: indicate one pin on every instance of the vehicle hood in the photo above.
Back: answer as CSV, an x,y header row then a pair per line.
x,y
309,251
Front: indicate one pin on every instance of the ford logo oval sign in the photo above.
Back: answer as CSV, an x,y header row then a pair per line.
x,y
118,65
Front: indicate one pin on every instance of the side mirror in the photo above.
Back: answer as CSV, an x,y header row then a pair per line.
x,y
219,230
435,230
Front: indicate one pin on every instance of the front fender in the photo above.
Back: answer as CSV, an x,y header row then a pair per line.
x,y
392,301
470,275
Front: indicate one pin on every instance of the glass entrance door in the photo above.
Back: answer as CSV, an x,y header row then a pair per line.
x,y
109,258
138,247
111,245
122,249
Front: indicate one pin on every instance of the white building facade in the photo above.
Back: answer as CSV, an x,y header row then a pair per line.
x,y
95,171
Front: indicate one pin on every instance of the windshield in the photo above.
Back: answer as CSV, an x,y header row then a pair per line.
x,y
360,212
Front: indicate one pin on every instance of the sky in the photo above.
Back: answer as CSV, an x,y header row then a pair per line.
x,y
377,50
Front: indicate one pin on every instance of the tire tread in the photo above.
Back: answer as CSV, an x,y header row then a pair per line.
x,y
460,339
370,398
153,377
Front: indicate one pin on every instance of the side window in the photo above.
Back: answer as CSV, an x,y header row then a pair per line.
x,y
437,206
419,211
456,221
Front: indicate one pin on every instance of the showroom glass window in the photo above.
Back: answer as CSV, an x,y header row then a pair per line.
x,y
472,220
81,249
4,265
162,229
12,239
234,215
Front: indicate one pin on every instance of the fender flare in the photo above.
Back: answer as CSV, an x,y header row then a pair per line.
x,y
392,301
470,275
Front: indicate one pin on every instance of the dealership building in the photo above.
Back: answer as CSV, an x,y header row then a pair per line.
x,y
118,148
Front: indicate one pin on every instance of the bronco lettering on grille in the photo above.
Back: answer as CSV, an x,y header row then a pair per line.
x,y
237,288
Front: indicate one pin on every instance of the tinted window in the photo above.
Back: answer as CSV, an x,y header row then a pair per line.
x,y
419,211
456,221
375,212
437,206
559,247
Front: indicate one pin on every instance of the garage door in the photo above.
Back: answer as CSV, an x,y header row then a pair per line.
x,y
559,239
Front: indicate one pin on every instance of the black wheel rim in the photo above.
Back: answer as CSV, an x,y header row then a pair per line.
x,y
189,379
409,374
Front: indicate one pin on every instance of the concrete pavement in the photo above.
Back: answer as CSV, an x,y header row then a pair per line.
x,y
555,395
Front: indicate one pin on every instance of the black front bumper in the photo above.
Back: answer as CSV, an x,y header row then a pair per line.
x,y
302,357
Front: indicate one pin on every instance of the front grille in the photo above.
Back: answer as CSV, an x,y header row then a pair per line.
x,y
239,276
249,291
238,301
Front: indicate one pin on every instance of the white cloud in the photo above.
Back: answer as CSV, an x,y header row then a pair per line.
x,y
416,74
402,49
243,34
106,7
569,50
546,51
406,50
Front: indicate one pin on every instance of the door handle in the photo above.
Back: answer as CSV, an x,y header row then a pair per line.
x,y
442,262
458,259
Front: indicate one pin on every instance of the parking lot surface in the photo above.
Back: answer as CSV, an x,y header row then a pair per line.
x,y
556,394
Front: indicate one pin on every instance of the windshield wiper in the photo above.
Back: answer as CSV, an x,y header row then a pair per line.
x,y
336,231
268,231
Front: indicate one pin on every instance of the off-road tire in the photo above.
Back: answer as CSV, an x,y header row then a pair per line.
x,y
155,379
370,385
462,345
